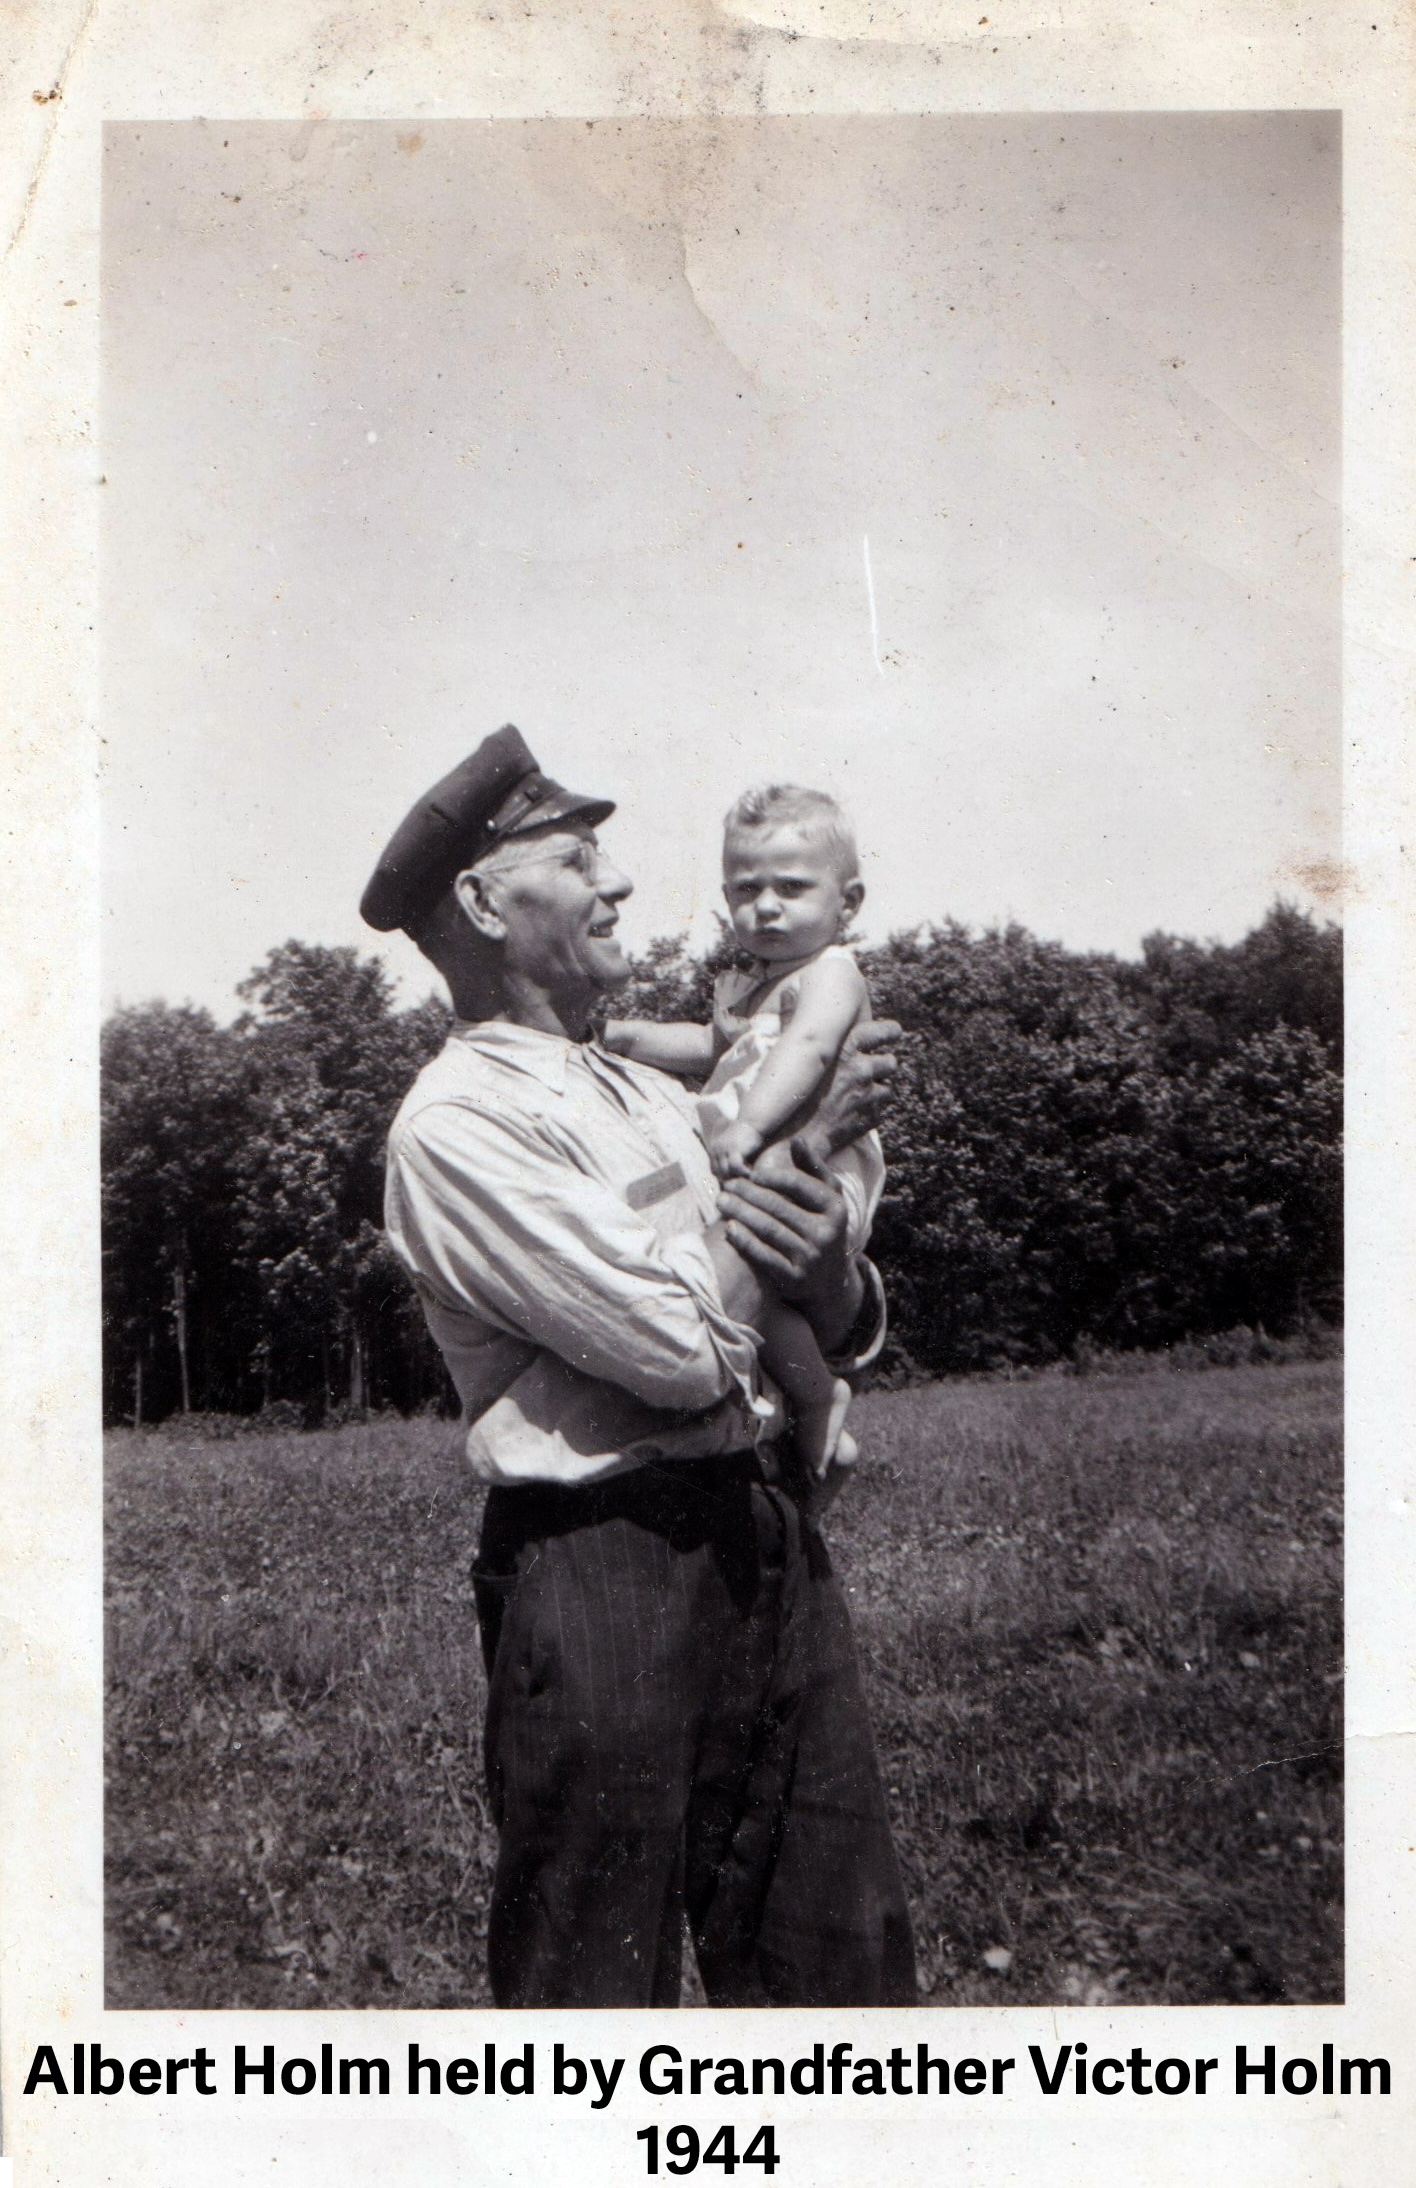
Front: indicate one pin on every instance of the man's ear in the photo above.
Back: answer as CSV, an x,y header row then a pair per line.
x,y
852,897
477,900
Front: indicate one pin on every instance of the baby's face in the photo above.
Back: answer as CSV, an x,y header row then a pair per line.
x,y
784,892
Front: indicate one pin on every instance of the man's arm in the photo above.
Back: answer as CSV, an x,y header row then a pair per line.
x,y
488,1211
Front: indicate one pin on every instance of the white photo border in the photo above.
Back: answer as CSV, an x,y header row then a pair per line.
x,y
78,64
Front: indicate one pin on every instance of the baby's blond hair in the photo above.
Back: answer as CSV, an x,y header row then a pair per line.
x,y
777,805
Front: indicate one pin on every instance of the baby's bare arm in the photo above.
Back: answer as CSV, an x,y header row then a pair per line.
x,y
676,1046
832,998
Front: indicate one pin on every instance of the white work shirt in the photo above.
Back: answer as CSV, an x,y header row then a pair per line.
x,y
550,1201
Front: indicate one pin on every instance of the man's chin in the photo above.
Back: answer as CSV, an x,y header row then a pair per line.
x,y
612,967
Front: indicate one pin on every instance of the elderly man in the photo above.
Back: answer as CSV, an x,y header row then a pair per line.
x,y
675,1727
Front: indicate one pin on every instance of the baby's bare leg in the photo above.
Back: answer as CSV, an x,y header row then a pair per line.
x,y
819,1398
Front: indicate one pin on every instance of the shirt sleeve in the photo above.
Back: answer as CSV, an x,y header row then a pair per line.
x,y
866,1341
499,1222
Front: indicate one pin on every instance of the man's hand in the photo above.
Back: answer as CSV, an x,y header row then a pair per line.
x,y
792,1233
858,1094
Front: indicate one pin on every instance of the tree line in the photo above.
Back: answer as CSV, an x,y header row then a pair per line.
x,y
1084,1151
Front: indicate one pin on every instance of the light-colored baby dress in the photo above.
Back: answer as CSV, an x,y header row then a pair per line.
x,y
750,1036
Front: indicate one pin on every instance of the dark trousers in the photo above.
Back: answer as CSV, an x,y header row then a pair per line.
x,y
675,1728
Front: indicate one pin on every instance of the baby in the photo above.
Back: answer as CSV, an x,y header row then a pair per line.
x,y
791,879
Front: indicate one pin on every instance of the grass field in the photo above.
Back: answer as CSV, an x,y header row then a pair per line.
x,y
1100,1625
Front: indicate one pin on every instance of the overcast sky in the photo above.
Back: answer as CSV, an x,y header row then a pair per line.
x,y
983,470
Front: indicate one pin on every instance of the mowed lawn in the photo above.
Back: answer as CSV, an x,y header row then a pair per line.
x,y
1101,1632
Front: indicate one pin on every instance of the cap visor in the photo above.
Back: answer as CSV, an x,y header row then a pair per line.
x,y
564,805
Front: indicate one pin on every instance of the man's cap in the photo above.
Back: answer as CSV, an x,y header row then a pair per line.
x,y
497,791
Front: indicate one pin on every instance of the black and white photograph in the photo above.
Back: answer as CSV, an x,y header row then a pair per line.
x,y
807,1471
706,1192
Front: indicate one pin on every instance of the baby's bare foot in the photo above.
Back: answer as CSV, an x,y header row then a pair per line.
x,y
847,1450
820,1431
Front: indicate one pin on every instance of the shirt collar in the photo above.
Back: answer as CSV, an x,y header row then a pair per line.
x,y
542,1055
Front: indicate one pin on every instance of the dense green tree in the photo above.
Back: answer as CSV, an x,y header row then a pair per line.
x,y
330,1061
1061,1168
1257,1186
174,1101
1205,999
1081,1152
1018,1147
243,1186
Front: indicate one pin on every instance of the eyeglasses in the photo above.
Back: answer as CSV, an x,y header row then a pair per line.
x,y
509,857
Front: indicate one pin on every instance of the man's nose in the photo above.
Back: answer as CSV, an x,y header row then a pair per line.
x,y
611,884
